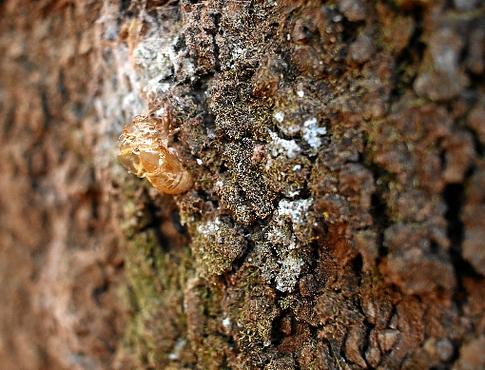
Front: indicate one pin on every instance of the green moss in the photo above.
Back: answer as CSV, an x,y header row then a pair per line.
x,y
156,332
216,245
252,308
208,339
210,354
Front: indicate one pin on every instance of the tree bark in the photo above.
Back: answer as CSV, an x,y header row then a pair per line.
x,y
337,214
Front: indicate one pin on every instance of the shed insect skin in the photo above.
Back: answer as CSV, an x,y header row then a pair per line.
x,y
143,153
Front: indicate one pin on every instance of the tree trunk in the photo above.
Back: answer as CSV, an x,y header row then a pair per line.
x,y
336,218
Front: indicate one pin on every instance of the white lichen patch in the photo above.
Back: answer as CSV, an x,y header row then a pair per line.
x,y
279,235
209,228
290,216
155,57
295,210
290,226
288,275
282,146
287,127
294,193
156,60
226,323
279,116
179,346
160,113
312,132
237,52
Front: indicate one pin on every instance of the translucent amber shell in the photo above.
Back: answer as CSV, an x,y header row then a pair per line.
x,y
143,153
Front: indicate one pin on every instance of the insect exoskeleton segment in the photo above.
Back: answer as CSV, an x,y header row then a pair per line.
x,y
143,153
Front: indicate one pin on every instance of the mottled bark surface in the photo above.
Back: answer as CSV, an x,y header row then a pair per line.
x,y
337,219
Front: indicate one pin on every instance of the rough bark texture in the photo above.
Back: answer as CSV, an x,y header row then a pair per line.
x,y
337,219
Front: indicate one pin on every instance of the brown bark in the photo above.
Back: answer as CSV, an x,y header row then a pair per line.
x,y
336,220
